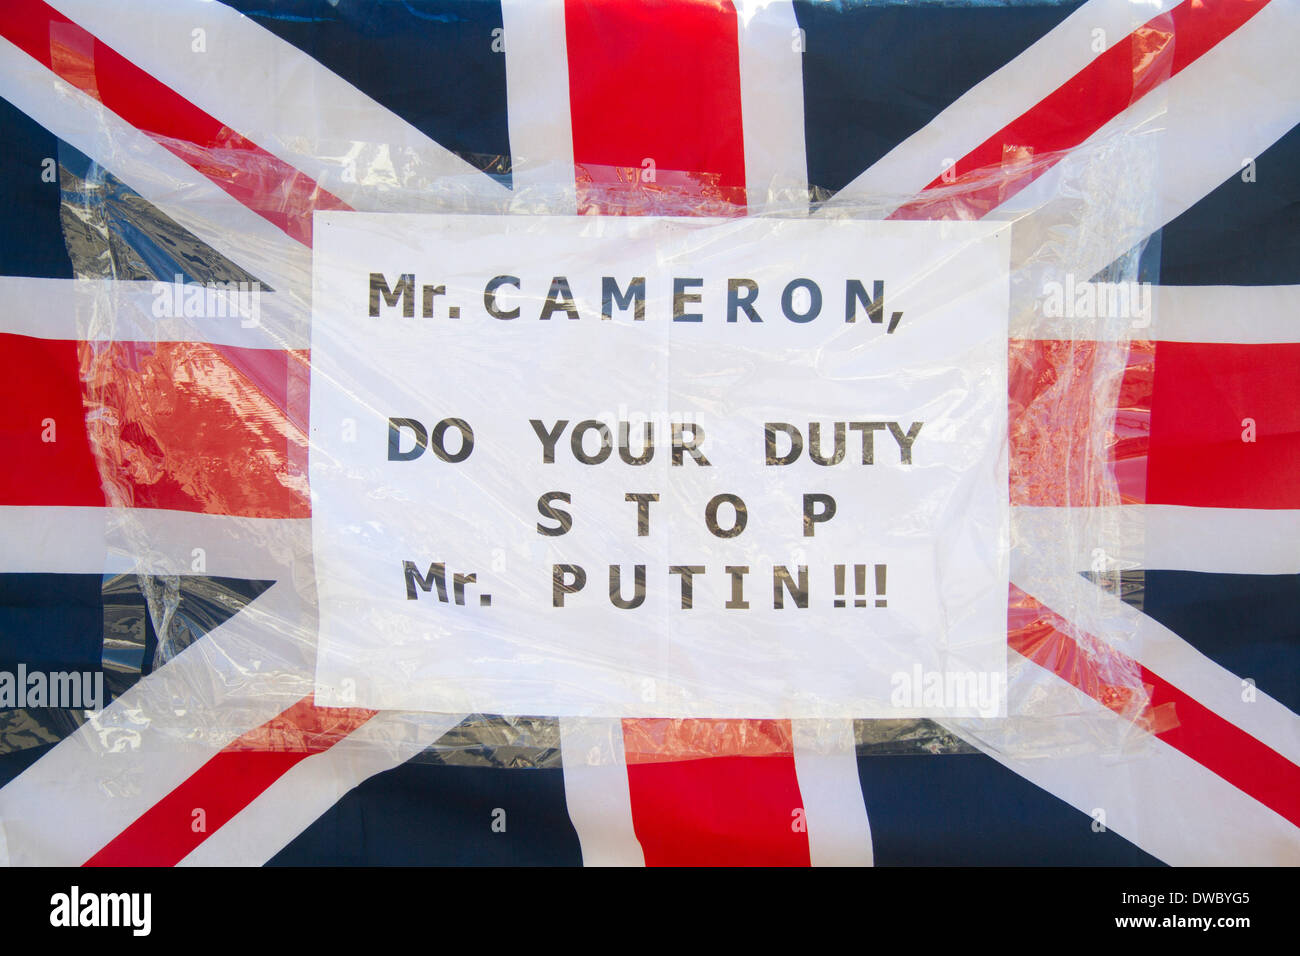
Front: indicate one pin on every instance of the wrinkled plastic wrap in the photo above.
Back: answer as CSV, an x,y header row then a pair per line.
x,y
200,438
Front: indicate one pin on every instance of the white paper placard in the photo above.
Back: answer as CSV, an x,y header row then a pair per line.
x,y
558,565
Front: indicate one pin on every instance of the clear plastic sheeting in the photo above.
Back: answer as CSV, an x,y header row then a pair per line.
x,y
219,432
192,321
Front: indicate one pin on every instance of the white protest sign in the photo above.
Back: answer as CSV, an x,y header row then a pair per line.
x,y
660,467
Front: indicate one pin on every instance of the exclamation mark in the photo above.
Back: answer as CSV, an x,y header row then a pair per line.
x,y
880,586
839,585
860,585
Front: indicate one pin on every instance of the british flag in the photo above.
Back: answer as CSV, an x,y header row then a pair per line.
x,y
154,496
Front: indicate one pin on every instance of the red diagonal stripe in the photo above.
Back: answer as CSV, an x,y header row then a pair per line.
x,y
270,187
1038,633
226,784
1029,145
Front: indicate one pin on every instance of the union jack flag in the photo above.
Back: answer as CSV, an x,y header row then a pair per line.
x,y
154,497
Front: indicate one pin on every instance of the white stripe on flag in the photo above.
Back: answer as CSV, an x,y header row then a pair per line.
x,y
1161,537
1228,314
771,97
596,791
1229,540
290,105
160,177
1137,636
98,781
1231,104
74,800
1151,794
537,86
67,540
308,789
825,763
991,104
123,311
56,540
1245,315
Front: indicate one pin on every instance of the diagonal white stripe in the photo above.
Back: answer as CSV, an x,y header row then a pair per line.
x,y
308,789
1156,647
1231,104
993,103
193,201
1151,794
96,782
290,105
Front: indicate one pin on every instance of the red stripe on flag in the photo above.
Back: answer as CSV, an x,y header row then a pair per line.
x,y
656,81
1205,425
186,415
715,793
43,439
1029,145
186,426
1061,441
1108,676
660,82
270,187
1131,450
1065,450
191,426
1225,426
243,770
